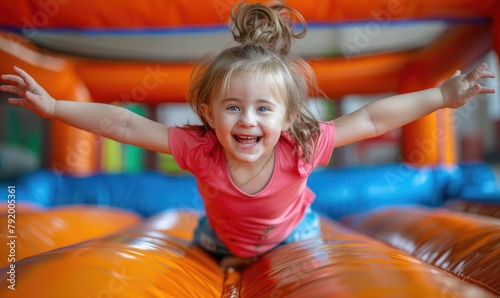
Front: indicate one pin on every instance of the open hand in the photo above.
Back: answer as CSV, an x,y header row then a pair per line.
x,y
31,95
458,89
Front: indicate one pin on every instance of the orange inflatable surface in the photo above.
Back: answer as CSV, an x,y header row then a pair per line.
x,y
154,258
466,245
482,208
37,230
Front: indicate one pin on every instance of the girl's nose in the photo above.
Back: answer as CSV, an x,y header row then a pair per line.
x,y
247,119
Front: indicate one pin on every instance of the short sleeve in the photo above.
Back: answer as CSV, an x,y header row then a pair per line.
x,y
322,151
190,147
325,144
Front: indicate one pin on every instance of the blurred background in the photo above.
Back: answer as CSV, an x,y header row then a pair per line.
x,y
140,55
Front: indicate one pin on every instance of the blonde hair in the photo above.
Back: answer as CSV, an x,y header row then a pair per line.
x,y
265,36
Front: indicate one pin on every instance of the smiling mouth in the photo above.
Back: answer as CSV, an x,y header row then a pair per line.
x,y
247,140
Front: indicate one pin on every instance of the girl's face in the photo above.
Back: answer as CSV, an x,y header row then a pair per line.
x,y
247,118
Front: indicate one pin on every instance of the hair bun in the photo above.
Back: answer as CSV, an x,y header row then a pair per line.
x,y
268,25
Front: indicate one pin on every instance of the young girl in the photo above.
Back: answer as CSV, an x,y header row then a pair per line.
x,y
259,141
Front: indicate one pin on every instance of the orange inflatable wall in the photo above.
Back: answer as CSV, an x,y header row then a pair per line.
x,y
33,14
73,151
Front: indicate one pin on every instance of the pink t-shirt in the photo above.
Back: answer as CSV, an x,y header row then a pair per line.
x,y
250,225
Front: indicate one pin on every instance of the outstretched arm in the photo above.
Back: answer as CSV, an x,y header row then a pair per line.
x,y
107,120
390,113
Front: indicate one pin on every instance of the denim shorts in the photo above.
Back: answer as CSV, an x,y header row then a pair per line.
x,y
204,236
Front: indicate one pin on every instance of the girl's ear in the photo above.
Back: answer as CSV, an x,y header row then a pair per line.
x,y
207,114
288,123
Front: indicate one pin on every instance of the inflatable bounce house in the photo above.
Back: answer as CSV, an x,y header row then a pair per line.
x,y
87,217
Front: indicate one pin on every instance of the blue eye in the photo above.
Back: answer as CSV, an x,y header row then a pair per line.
x,y
233,108
262,109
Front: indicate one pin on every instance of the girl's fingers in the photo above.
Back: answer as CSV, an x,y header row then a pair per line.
x,y
25,76
488,75
12,89
14,79
473,90
476,73
477,89
20,102
485,89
